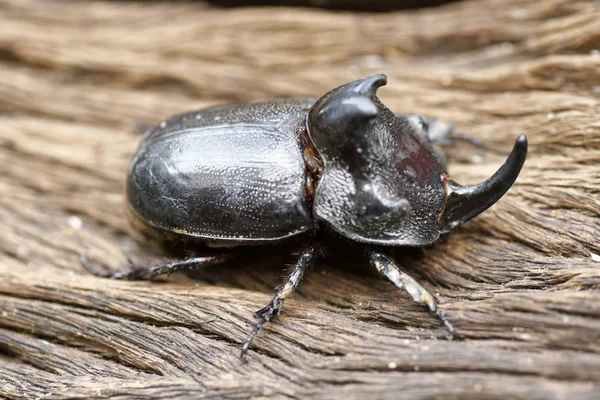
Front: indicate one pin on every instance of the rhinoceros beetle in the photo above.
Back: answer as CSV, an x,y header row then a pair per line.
x,y
265,173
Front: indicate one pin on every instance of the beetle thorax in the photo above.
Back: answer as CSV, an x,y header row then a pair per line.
x,y
381,183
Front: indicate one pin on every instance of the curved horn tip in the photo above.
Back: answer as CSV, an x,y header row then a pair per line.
x,y
519,151
465,202
521,142
378,79
369,84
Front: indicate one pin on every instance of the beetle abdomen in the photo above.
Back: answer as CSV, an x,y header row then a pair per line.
x,y
240,182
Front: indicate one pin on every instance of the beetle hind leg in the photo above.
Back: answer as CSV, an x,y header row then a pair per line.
x,y
275,306
386,266
150,272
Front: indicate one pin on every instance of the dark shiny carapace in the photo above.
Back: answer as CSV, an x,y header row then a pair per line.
x,y
262,173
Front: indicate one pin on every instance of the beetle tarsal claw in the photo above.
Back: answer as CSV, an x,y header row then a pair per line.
x,y
449,326
85,262
262,311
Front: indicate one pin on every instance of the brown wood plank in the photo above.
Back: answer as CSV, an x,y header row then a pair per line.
x,y
520,282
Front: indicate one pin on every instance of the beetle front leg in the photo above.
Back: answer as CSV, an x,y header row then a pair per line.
x,y
306,257
384,264
152,271
442,133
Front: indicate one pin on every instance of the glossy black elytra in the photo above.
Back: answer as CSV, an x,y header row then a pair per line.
x,y
266,173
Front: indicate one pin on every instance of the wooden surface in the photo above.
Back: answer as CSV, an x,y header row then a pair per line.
x,y
520,283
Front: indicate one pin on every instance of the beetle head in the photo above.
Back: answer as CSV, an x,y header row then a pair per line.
x,y
383,182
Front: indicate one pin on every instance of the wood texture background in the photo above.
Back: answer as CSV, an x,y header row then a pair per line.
x,y
520,283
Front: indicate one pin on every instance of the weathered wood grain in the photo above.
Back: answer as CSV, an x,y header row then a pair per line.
x,y
521,283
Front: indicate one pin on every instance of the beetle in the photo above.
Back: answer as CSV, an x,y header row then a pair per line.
x,y
343,165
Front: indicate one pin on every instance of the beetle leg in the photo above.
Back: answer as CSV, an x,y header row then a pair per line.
x,y
306,257
402,280
152,271
442,133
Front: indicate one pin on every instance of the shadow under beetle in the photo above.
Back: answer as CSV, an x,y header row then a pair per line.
x,y
265,173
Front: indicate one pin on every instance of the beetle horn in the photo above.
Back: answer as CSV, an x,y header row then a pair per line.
x,y
344,110
347,104
465,202
367,86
